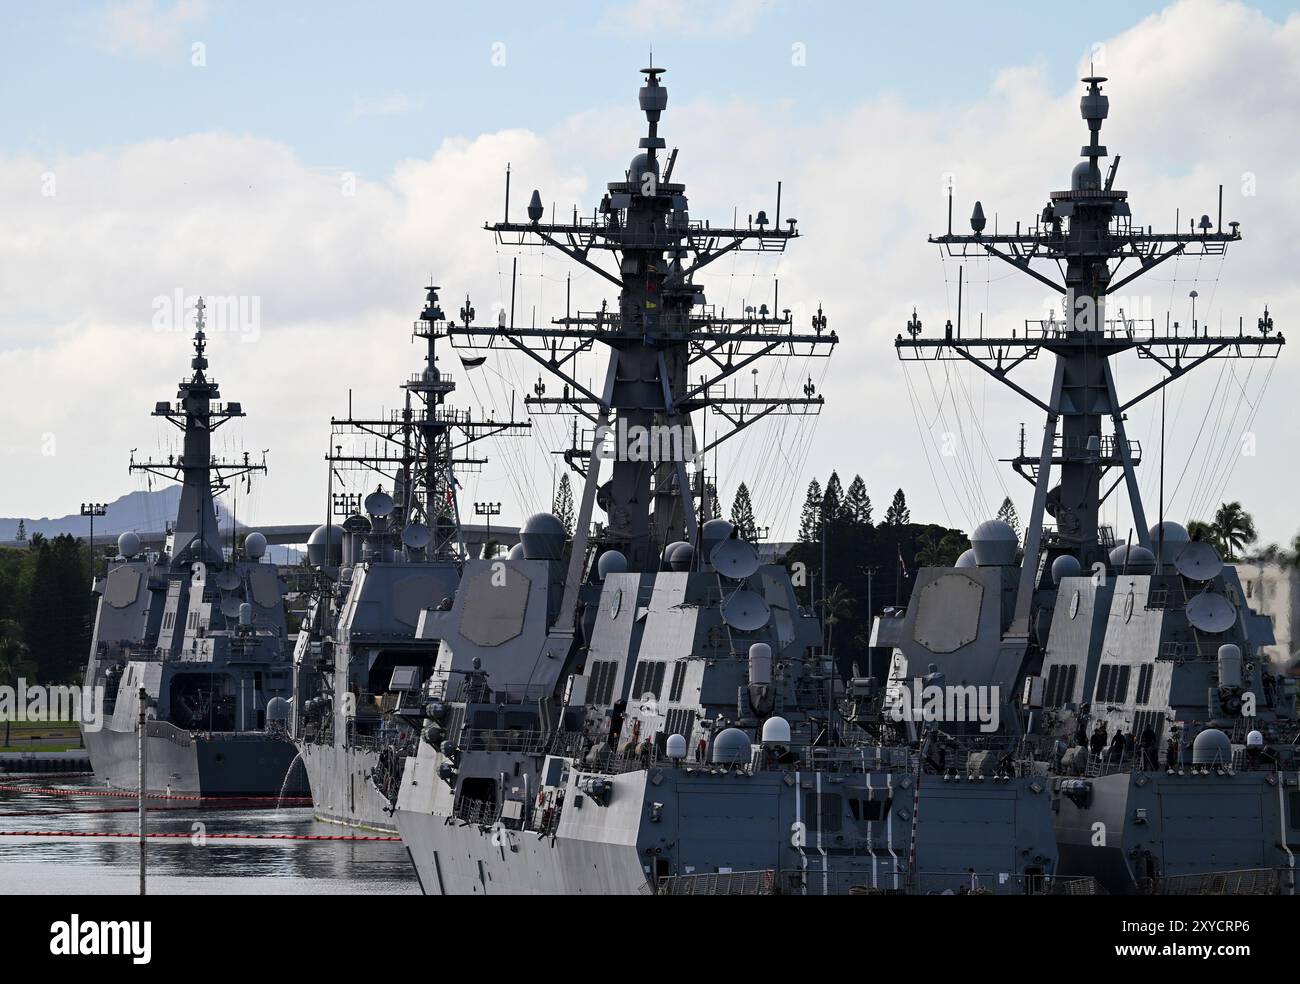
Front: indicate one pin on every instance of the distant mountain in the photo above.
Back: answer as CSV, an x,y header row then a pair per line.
x,y
142,511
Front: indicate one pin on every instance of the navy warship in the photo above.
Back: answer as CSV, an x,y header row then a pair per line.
x,y
1132,664
645,706
358,665
198,627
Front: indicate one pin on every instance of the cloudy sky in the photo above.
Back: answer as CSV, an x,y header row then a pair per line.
x,y
321,162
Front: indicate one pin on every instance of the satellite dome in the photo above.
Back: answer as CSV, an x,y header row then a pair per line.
x,y
1140,560
1255,740
776,731
675,746
712,533
542,537
967,559
516,552
128,544
325,546
277,709
681,555
994,543
1212,747
732,747
610,562
641,166
1086,176
255,545
1066,565
1174,532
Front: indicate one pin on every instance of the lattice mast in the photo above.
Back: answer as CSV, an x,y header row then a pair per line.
x,y
1088,232
420,448
197,414
670,352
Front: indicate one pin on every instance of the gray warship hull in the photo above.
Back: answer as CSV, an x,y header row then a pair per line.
x,y
797,832
180,763
1137,831
341,789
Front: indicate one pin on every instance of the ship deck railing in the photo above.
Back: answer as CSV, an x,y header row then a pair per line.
x,y
1244,881
860,880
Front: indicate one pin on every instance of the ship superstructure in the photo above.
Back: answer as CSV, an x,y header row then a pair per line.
x,y
645,704
200,627
1146,639
399,550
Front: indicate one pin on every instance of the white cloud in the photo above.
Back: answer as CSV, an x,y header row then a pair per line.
x,y
145,27
685,16
1201,93
391,104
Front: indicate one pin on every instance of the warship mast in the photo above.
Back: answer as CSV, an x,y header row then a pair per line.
x,y
1088,232
669,350
421,446
197,414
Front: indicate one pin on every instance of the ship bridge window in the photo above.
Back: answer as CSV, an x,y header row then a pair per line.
x,y
649,679
679,680
1060,684
601,675
1112,683
1145,673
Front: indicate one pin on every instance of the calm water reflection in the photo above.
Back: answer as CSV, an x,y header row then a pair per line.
x,y
219,867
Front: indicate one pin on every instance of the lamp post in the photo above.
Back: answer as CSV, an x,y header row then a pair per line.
x,y
487,510
91,510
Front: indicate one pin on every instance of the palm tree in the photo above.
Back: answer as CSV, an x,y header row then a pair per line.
x,y
836,606
1234,527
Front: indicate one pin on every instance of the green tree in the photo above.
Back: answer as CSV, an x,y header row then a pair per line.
x,y
15,657
742,515
1007,513
563,505
1234,528
857,504
809,520
36,542
836,607
833,499
898,514
22,531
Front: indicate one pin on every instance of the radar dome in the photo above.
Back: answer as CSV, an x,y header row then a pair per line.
x,y
516,552
1066,565
776,731
732,747
641,166
277,709
542,537
325,546
967,559
611,562
994,543
1140,560
681,556
1255,740
128,544
255,545
1175,538
712,533
1086,176
1212,747
675,746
